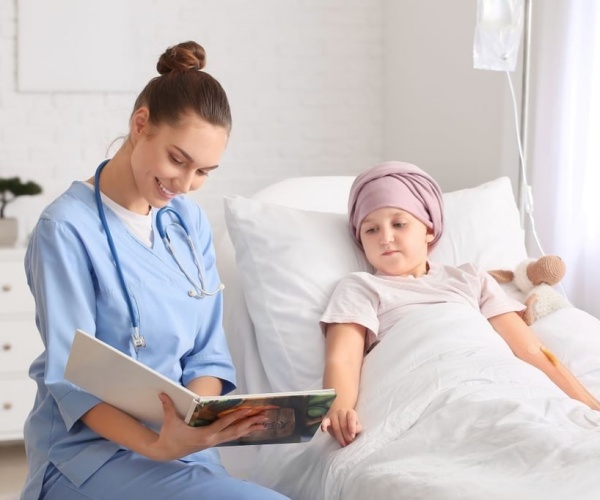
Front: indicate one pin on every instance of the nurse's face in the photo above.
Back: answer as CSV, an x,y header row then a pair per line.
x,y
167,161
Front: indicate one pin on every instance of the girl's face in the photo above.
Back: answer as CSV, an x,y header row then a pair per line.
x,y
167,161
395,243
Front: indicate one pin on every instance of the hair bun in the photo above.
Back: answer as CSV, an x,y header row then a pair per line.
x,y
185,56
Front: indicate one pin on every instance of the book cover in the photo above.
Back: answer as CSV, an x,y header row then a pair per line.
x,y
131,386
294,417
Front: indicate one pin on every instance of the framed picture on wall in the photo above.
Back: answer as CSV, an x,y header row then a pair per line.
x,y
76,46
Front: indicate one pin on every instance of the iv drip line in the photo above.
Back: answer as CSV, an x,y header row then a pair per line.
x,y
525,188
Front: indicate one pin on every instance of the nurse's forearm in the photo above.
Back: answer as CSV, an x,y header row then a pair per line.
x,y
206,386
115,425
176,439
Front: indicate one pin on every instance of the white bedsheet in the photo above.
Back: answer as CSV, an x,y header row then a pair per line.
x,y
448,413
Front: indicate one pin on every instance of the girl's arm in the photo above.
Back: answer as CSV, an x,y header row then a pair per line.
x,y
523,342
344,348
176,439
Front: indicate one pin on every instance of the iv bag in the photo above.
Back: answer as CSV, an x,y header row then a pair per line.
x,y
497,34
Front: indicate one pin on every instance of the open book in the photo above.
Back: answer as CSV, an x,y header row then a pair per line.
x,y
133,387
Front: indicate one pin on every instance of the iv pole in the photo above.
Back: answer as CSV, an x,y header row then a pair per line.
x,y
524,108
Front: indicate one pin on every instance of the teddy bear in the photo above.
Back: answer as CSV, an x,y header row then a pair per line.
x,y
536,278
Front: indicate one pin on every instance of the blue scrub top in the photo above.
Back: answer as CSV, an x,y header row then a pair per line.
x,y
73,279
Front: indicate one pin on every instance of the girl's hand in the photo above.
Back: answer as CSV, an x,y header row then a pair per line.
x,y
343,424
177,439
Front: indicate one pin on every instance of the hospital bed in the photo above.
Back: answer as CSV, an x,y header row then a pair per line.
x,y
448,412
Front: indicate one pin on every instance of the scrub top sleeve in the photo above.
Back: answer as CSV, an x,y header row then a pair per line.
x,y
210,356
207,248
60,277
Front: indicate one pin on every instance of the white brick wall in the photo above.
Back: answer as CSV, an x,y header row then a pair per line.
x,y
304,79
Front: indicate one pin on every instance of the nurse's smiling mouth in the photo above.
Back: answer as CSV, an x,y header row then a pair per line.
x,y
164,191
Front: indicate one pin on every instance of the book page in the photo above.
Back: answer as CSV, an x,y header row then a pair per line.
x,y
293,417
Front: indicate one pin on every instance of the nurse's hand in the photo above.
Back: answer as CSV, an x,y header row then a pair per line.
x,y
177,439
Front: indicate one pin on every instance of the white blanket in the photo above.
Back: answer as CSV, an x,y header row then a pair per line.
x,y
448,413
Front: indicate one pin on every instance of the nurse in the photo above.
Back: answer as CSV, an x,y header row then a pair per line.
x,y
78,446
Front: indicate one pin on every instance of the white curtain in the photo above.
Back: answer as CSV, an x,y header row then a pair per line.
x,y
564,141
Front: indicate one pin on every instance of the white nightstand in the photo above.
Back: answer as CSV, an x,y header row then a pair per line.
x,y
20,344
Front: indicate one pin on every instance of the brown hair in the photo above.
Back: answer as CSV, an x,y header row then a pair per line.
x,y
183,87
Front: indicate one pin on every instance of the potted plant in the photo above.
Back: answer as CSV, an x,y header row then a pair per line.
x,y
10,189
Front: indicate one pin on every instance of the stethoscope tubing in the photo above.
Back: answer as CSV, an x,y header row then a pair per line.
x,y
199,290
113,250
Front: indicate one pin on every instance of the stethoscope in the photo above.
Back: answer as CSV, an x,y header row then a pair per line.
x,y
198,292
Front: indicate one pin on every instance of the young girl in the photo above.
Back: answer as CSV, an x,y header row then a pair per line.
x,y
396,216
96,261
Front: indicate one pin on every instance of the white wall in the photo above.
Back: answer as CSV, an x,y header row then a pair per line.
x,y
303,77
317,87
441,113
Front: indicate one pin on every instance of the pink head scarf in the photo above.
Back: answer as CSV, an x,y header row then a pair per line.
x,y
400,185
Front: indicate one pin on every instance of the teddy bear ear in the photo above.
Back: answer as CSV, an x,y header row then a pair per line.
x,y
502,276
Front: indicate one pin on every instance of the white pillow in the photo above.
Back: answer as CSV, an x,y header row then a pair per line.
x,y
290,260
482,226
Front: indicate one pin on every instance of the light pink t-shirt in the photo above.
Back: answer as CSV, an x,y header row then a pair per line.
x,y
377,302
